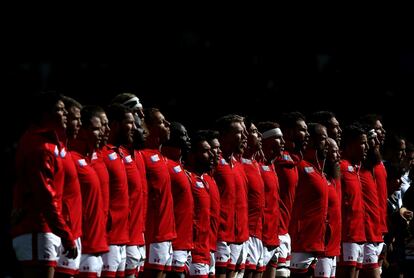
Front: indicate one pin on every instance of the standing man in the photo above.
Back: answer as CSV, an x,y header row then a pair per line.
x,y
160,223
295,132
38,227
71,195
328,119
174,149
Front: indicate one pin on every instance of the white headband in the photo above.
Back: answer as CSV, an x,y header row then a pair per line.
x,y
133,103
271,133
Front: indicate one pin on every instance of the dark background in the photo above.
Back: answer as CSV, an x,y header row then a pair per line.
x,y
196,74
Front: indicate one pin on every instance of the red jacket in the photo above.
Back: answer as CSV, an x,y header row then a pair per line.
x,y
271,220
94,237
160,222
380,176
214,210
200,190
139,161
241,222
183,206
118,233
71,198
333,248
353,229
136,204
310,210
372,219
287,172
255,196
39,169
99,166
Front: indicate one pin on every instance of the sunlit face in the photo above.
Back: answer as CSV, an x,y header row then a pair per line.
x,y
380,132
204,156
273,146
74,121
301,137
320,141
60,115
334,130
128,128
362,147
333,155
254,138
94,132
160,127
215,149
106,130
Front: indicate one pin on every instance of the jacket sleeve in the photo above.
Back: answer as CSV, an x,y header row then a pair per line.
x,y
44,177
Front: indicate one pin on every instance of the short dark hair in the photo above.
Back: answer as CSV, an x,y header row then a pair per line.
x,y
322,117
116,112
289,120
90,111
209,134
71,102
149,115
370,119
352,132
196,138
313,127
224,123
44,102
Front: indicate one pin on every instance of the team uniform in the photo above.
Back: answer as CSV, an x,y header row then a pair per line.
x,y
183,215
160,223
380,176
373,231
287,172
309,227
38,227
72,213
224,178
256,205
353,229
271,219
326,265
136,245
94,238
200,255
118,227
214,219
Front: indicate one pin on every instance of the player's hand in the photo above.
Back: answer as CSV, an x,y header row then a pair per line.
x,y
71,252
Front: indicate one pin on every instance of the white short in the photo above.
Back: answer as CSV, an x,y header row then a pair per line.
x,y
199,270
135,258
270,256
371,254
284,251
352,254
114,261
39,248
300,262
238,255
179,258
325,267
66,265
222,255
212,267
255,254
90,266
159,256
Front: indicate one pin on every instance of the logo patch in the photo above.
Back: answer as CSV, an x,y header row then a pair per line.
x,y
112,156
199,184
309,170
246,161
155,158
223,162
350,168
128,159
177,169
94,156
82,162
265,168
63,153
56,151
286,157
